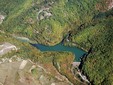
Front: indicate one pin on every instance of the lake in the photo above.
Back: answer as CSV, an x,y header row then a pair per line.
x,y
60,47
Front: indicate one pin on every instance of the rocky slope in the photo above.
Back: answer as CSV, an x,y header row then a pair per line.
x,y
22,64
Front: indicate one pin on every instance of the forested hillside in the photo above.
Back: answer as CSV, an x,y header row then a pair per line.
x,y
98,36
89,24
98,64
43,19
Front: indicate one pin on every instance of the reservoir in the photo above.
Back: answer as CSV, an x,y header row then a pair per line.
x,y
61,48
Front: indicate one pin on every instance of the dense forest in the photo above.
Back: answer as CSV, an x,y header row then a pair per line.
x,y
41,19
98,64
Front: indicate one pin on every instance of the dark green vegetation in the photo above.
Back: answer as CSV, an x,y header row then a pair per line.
x,y
32,18
99,36
90,23
99,63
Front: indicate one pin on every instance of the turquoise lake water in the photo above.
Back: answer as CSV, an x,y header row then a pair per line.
x,y
59,47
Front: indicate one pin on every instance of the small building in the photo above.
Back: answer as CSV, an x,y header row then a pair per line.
x,y
76,64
